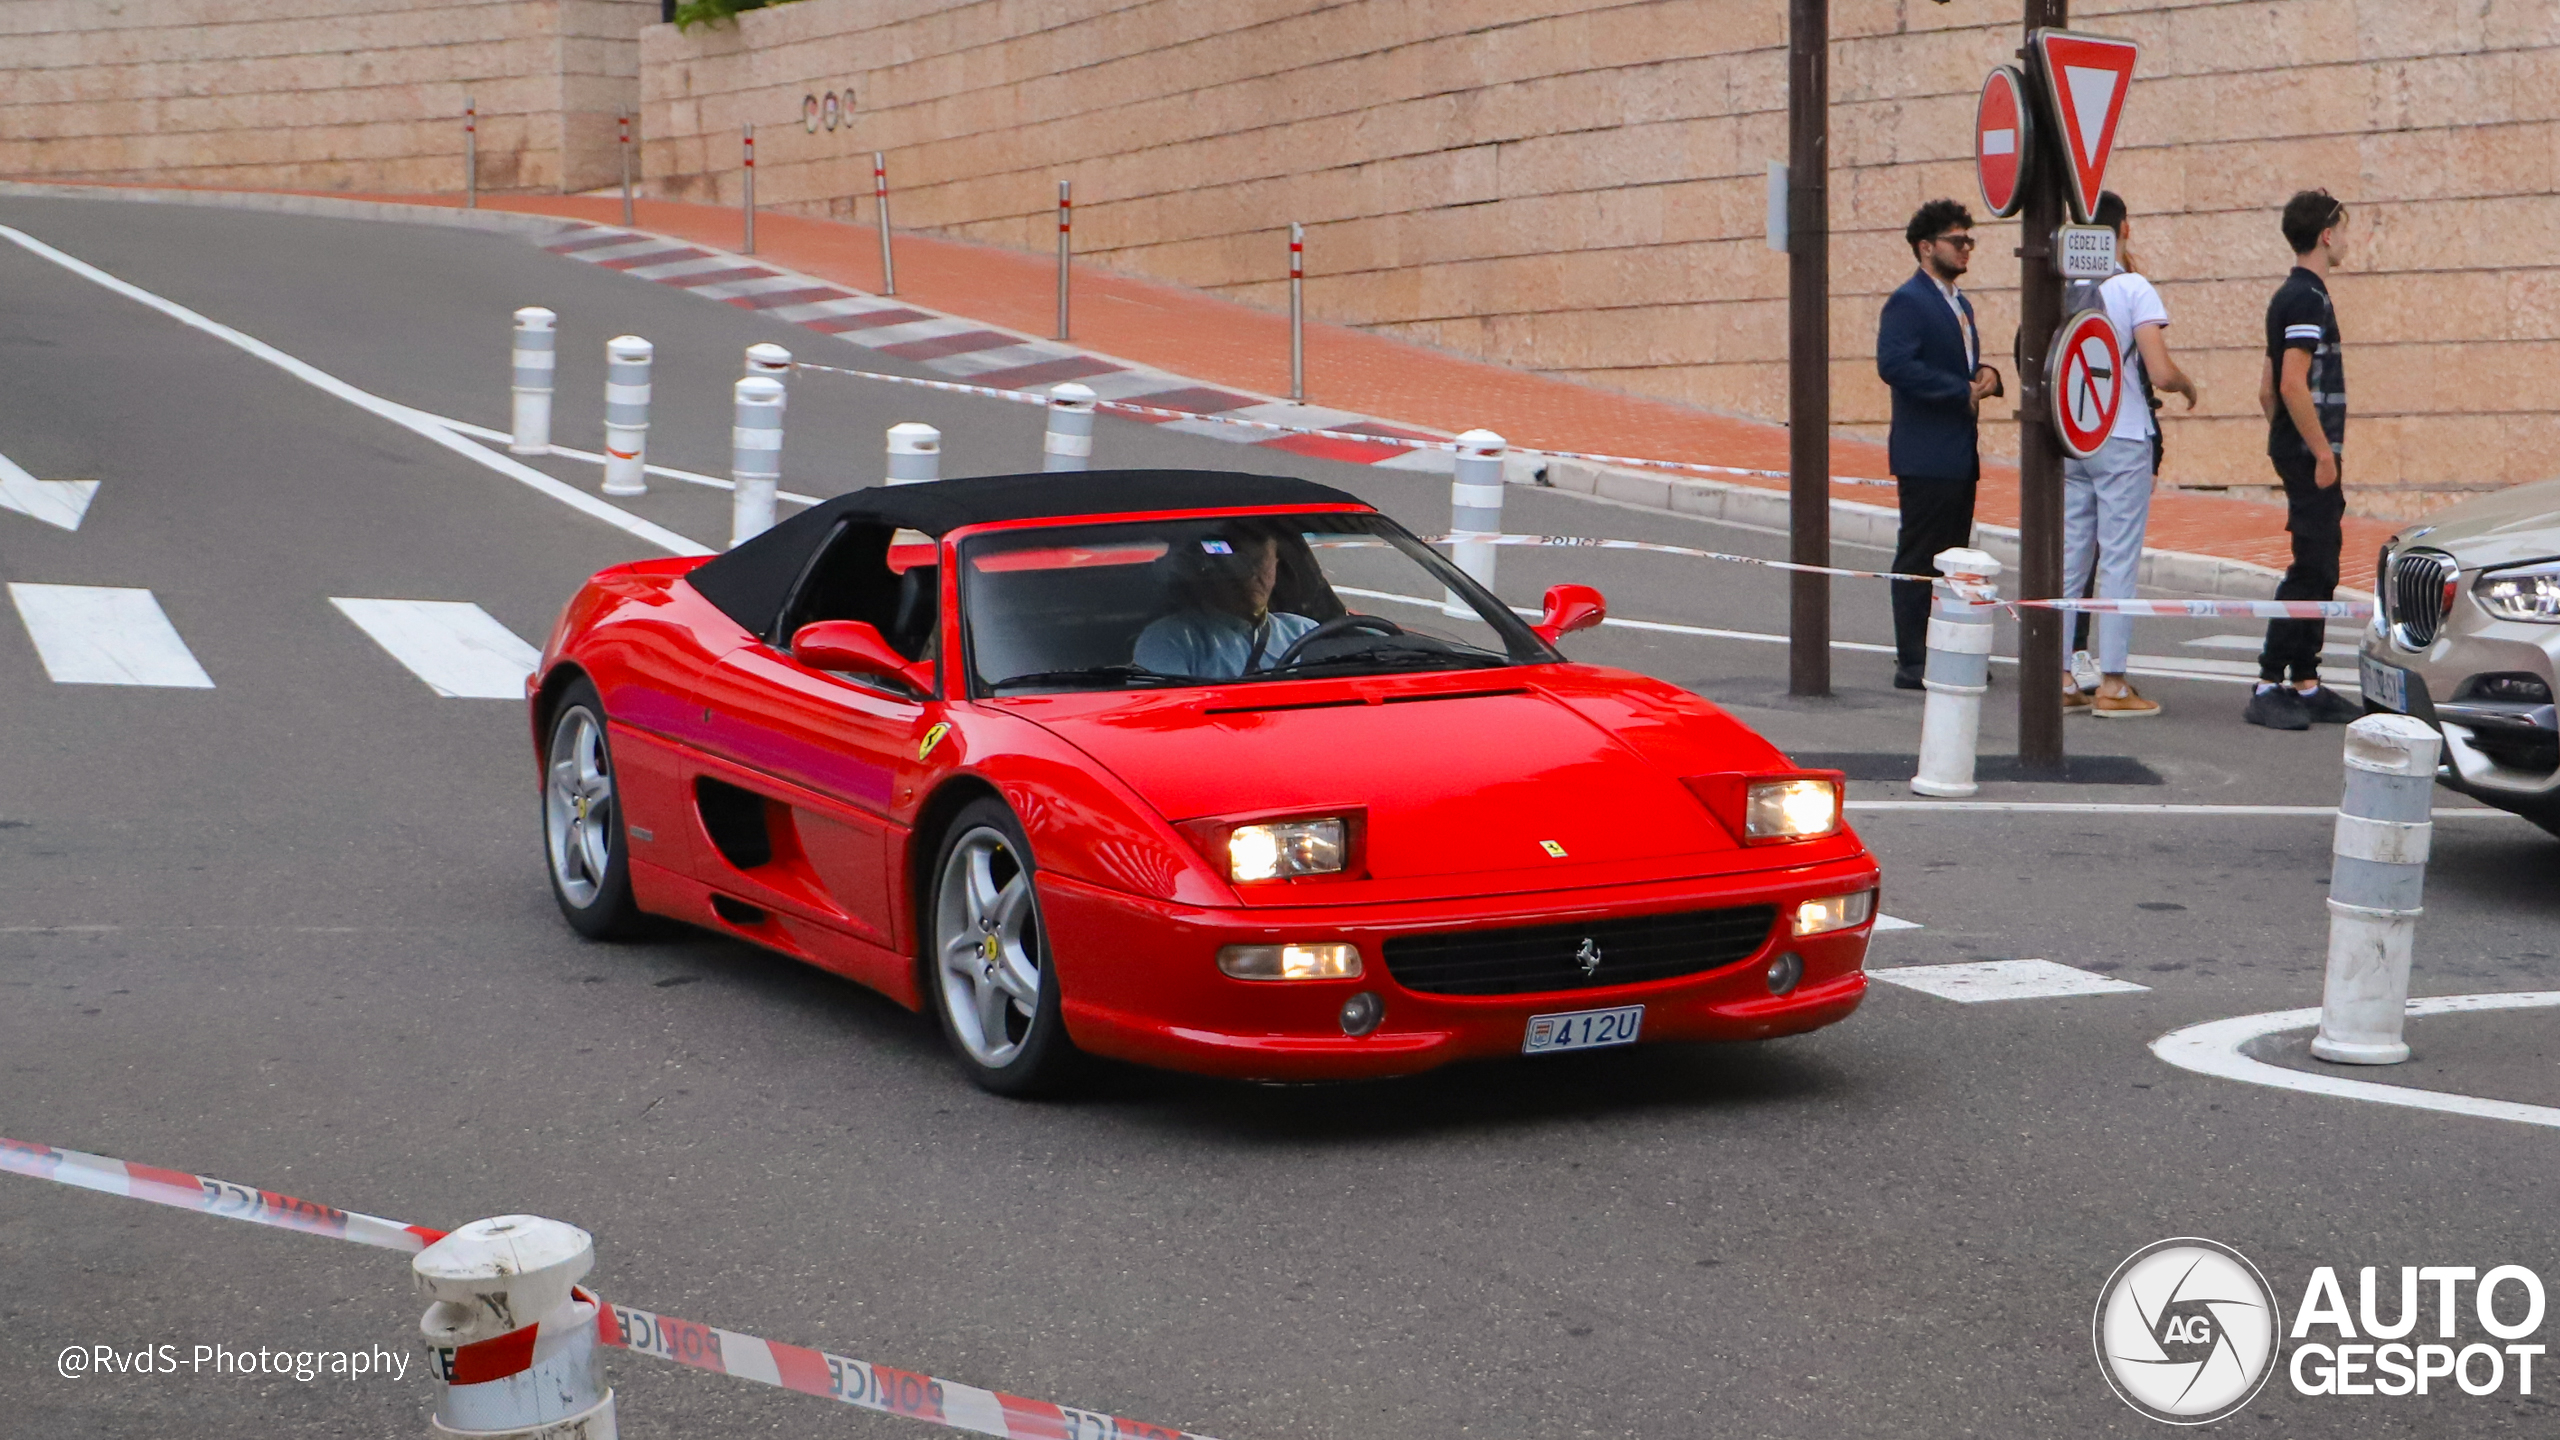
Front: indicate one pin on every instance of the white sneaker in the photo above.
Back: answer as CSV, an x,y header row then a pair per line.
x,y
2084,672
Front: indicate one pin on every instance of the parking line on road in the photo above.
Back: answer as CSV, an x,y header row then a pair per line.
x,y
2213,1048
1976,982
1896,922
59,503
98,635
457,648
397,414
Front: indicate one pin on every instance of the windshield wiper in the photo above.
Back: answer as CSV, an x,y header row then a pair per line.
x,y
1091,675
1395,658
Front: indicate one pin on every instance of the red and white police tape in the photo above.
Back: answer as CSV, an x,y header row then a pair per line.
x,y
1364,437
643,1332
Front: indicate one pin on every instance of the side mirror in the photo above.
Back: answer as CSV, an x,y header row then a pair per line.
x,y
1570,608
854,647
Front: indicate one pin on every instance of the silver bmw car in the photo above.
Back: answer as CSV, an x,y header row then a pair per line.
x,y
2467,638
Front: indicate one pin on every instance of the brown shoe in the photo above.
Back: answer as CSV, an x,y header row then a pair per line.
x,y
2073,697
2128,706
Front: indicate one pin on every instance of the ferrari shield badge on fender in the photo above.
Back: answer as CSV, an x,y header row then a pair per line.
x,y
932,738
1554,850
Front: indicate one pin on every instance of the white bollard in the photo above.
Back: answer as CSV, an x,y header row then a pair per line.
x,y
880,210
511,1338
536,363
2376,876
626,414
1475,503
1066,230
755,449
1297,312
915,453
1069,443
766,358
1959,670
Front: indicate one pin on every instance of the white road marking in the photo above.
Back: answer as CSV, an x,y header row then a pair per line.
x,y
1974,982
456,647
401,415
1896,922
2076,807
2213,1048
60,503
96,635
2255,643
690,477
2170,667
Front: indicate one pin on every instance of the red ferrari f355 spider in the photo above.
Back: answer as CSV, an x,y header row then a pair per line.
x,y
1226,773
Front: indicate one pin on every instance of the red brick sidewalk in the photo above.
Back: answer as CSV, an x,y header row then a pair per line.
x,y
1189,333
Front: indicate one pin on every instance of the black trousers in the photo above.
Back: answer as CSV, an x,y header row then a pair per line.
x,y
2314,517
1937,514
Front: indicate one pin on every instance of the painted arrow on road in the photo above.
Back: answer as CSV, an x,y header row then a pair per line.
x,y
59,503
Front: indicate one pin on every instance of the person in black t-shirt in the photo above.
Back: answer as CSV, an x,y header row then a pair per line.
x,y
2303,390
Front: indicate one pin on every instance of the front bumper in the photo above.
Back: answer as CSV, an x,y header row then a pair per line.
x,y
2503,752
1141,983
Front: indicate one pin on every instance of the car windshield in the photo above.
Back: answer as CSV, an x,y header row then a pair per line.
x,y
1149,604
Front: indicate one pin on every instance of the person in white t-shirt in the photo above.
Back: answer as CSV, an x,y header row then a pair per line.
x,y
2106,499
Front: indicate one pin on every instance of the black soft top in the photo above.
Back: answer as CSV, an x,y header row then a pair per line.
x,y
753,582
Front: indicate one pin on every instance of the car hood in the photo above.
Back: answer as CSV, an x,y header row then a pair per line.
x,y
2503,528
1474,778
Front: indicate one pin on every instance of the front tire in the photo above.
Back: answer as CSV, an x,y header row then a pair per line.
x,y
987,965
588,852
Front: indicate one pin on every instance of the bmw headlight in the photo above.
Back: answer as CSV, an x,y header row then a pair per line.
x,y
2526,592
1284,849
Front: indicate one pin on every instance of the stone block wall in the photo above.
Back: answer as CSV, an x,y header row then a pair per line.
x,y
317,94
1577,187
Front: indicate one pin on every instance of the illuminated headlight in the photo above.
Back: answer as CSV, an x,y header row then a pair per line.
x,y
2529,593
1799,809
1834,912
1285,848
1290,962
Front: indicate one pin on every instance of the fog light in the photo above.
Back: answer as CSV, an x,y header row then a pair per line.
x,y
1784,972
1361,1014
1290,962
1834,912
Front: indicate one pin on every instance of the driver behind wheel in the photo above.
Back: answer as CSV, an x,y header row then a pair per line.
x,y
1225,626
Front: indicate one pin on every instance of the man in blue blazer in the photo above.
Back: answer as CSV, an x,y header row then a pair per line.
x,y
1928,350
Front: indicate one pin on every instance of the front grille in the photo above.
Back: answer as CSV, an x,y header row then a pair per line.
x,y
1551,957
2417,593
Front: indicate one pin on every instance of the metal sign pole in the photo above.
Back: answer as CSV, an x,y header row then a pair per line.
x,y
751,189
2040,631
880,207
1297,311
470,154
1066,214
1808,345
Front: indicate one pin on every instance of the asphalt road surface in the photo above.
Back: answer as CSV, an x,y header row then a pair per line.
x,y
290,928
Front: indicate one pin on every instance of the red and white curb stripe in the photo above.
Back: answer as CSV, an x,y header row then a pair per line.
x,y
642,1332
1004,364
996,359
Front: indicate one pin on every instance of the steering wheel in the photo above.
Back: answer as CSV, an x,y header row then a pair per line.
x,y
1339,625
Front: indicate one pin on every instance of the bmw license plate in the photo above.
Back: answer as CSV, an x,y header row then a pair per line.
x,y
1582,1030
2384,685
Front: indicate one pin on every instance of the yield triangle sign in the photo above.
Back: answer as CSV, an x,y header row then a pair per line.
x,y
2084,79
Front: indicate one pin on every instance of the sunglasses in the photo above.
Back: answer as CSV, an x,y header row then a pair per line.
x,y
1961,242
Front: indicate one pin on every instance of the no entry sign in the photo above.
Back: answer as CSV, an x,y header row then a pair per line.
x,y
2086,78
2085,373
2002,121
